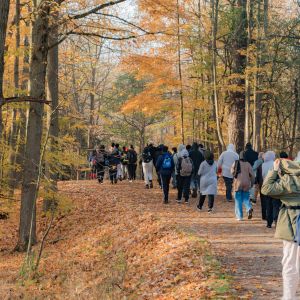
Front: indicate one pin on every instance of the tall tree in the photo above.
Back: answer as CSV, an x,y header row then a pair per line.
x,y
236,129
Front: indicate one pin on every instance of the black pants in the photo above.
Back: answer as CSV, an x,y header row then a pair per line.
x,y
228,183
211,200
183,186
113,175
100,172
159,180
165,180
132,171
263,202
272,210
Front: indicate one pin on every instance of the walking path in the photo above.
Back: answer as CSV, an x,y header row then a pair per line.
x,y
247,249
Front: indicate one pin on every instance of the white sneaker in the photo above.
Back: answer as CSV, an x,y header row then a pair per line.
x,y
239,219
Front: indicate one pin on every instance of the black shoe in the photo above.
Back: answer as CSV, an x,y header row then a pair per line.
x,y
151,185
166,201
229,200
147,186
194,193
253,201
250,213
186,201
269,226
116,180
199,208
111,182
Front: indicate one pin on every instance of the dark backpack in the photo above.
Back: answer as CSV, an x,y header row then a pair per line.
x,y
146,156
132,157
167,163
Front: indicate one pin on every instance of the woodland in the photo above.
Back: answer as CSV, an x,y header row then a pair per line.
x,y
76,74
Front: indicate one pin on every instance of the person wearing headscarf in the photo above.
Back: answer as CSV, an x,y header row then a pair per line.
x,y
175,160
226,160
208,181
197,158
283,182
243,181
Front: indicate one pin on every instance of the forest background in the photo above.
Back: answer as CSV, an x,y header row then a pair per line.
x,y
76,74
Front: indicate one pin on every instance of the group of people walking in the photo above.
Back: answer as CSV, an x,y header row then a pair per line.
x,y
194,172
121,163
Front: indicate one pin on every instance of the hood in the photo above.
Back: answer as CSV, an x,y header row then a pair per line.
x,y
180,148
231,148
184,153
269,156
290,167
298,157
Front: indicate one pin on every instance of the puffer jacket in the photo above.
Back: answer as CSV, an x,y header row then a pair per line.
x,y
285,185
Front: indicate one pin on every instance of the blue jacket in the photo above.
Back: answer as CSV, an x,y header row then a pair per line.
x,y
159,163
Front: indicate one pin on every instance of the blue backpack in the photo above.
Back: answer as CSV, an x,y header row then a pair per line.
x,y
167,163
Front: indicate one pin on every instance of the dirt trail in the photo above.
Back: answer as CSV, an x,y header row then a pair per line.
x,y
247,249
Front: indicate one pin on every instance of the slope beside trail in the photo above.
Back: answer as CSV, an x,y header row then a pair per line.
x,y
122,241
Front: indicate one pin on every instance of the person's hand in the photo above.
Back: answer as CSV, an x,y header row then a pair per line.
x,y
276,165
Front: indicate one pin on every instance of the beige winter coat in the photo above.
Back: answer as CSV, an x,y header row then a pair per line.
x,y
245,178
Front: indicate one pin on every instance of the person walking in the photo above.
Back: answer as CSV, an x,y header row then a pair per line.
x,y
100,158
272,205
283,182
174,182
124,162
176,157
257,170
132,163
185,170
197,158
147,165
226,160
208,181
243,180
116,153
157,153
165,167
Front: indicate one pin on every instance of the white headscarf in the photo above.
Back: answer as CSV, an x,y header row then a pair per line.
x,y
269,156
298,157
180,149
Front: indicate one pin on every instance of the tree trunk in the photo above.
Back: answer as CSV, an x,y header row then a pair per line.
x,y
296,111
236,122
14,125
180,76
52,95
37,76
214,20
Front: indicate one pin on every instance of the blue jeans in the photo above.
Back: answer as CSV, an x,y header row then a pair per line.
x,y
195,180
241,198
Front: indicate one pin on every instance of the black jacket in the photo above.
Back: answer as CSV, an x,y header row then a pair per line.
x,y
196,157
250,156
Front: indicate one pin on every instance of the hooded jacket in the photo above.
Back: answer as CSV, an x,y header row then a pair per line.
x,y
285,185
177,155
226,160
269,158
208,178
250,155
196,157
183,154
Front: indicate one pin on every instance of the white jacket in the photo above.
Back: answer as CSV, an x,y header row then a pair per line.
x,y
226,160
268,164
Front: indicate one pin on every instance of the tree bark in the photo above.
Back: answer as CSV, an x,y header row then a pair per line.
x,y
236,122
37,76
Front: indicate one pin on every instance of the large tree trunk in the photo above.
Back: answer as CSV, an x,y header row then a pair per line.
x,y
52,94
236,128
38,65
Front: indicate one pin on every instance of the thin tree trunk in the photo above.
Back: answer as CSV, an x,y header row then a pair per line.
x,y
14,126
180,76
38,66
297,105
214,20
4,10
